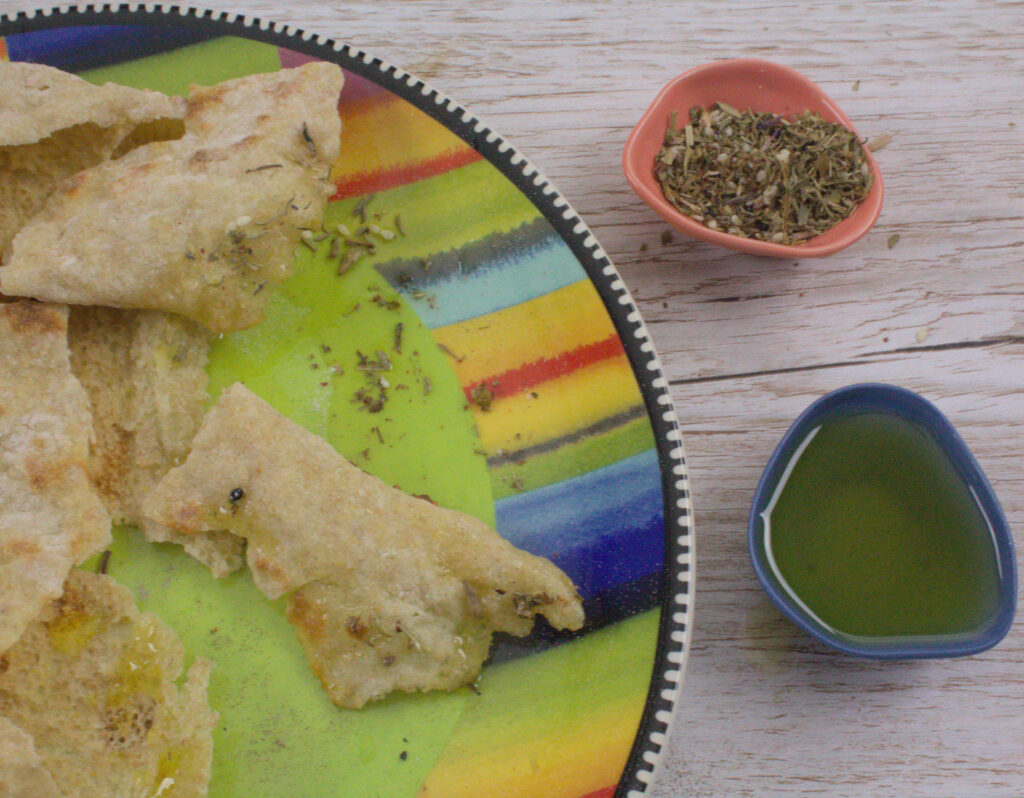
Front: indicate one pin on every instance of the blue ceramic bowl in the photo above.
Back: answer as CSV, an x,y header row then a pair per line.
x,y
875,397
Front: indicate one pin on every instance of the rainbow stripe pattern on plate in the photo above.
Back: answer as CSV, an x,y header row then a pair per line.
x,y
564,441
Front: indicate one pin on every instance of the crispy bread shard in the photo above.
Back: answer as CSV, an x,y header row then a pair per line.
x,y
53,124
50,517
391,591
92,681
145,374
37,100
22,773
200,226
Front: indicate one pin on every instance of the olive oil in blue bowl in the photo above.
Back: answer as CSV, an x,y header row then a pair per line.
x,y
876,531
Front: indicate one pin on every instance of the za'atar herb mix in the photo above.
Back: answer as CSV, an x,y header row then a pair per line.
x,y
762,175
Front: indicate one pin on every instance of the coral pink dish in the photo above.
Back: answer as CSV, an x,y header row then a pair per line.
x,y
744,83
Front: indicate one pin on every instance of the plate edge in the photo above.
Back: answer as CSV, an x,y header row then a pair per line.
x,y
678,577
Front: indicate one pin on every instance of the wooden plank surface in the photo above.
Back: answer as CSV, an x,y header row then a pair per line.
x,y
747,343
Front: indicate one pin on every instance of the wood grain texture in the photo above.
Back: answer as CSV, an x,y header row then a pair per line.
x,y
747,343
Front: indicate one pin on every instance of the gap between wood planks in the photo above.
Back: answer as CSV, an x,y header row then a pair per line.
x,y
866,359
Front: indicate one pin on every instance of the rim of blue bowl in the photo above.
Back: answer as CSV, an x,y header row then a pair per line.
x,y
917,409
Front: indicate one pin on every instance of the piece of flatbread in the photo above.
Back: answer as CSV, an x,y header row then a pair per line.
x,y
53,124
145,374
202,226
93,682
22,773
391,592
50,516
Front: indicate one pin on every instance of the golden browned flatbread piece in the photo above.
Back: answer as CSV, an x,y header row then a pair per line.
x,y
391,592
145,374
202,226
93,682
22,773
50,517
53,124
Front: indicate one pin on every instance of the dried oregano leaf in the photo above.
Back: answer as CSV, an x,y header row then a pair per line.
x,y
761,175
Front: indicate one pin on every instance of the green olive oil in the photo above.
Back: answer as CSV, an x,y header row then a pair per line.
x,y
877,535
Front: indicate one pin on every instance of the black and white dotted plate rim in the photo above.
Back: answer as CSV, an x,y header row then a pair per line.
x,y
677,586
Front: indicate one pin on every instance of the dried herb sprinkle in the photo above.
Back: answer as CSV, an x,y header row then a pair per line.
x,y
482,396
761,175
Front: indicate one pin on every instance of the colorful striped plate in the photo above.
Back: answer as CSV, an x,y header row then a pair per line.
x,y
492,288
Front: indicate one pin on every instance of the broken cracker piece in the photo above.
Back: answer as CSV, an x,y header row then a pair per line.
x,y
50,516
145,374
93,682
54,124
390,591
199,226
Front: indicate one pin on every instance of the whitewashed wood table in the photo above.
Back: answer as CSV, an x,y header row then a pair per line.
x,y
747,343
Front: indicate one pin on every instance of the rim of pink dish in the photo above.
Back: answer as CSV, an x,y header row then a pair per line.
x,y
744,83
